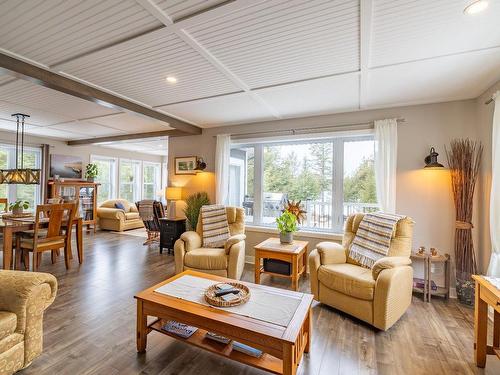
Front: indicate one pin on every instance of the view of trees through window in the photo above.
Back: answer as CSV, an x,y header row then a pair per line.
x,y
332,178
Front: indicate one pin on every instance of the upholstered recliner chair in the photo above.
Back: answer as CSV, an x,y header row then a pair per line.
x,y
24,296
228,261
116,219
379,296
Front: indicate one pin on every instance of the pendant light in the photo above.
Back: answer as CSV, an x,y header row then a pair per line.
x,y
25,176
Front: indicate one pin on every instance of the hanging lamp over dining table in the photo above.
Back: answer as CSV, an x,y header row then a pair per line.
x,y
19,174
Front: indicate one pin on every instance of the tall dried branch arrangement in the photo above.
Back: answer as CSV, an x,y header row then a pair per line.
x,y
464,160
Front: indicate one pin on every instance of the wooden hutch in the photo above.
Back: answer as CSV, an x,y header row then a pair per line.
x,y
85,191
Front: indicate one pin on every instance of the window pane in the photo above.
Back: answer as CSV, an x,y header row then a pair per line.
x,y
299,171
151,180
359,177
4,159
241,177
106,178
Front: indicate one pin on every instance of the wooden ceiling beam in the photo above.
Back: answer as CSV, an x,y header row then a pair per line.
x,y
44,77
127,137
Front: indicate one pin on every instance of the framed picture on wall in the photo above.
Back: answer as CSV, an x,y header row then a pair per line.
x,y
185,165
66,166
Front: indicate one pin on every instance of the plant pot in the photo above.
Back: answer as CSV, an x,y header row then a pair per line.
x,y
465,288
17,210
90,179
286,237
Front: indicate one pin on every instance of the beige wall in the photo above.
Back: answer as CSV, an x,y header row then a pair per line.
x,y
422,194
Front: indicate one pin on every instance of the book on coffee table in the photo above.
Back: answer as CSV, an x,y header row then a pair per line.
x,y
218,338
179,329
238,346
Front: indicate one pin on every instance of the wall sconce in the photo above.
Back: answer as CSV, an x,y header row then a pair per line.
x,y
431,161
200,165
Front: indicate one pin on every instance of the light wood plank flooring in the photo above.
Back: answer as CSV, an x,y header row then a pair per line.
x,y
90,328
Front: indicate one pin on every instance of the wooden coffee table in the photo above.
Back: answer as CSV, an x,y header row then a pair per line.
x,y
283,347
294,253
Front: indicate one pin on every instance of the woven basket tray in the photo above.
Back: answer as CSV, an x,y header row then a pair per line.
x,y
16,216
243,296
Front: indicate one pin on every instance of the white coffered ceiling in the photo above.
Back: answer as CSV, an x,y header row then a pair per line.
x,y
243,60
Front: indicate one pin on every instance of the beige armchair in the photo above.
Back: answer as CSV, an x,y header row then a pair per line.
x,y
228,261
379,296
112,218
24,296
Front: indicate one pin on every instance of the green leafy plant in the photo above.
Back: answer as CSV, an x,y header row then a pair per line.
x,y
91,171
19,204
287,222
193,207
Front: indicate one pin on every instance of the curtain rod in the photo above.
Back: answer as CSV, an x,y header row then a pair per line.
x,y
310,130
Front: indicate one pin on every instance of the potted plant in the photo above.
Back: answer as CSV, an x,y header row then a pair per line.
x,y
91,172
18,206
464,160
193,207
287,224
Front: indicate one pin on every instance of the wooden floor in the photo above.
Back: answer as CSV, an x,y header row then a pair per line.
x,y
90,328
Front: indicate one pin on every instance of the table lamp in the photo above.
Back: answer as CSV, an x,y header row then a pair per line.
x,y
172,194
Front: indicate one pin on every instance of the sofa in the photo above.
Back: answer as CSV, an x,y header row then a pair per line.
x,y
24,296
228,261
378,296
116,219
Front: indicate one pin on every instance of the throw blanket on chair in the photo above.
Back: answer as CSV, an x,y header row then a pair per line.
x,y
146,211
373,238
214,225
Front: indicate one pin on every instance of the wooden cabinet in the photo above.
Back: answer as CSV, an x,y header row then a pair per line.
x,y
84,191
170,231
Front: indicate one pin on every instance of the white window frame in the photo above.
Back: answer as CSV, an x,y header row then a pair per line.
x,y
137,192
113,177
337,140
157,181
11,163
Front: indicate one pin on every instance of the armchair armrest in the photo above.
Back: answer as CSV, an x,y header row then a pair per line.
x,y
388,263
331,253
110,213
191,239
233,240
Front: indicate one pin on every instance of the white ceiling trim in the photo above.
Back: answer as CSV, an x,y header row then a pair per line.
x,y
163,17
366,13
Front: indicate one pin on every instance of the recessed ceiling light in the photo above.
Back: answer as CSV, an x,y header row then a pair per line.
x,y
171,79
476,6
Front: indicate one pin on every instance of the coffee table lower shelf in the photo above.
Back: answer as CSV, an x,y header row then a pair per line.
x,y
266,362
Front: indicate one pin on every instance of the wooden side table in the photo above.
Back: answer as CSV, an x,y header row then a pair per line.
x,y
170,231
294,253
427,290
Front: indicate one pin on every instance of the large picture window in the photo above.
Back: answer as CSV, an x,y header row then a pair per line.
x,y
151,175
130,180
106,177
32,158
332,177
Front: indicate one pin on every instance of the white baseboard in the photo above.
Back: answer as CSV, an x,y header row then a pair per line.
x,y
249,259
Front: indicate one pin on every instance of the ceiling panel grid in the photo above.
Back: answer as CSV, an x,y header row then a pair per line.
x,y
138,68
51,31
177,9
407,30
278,41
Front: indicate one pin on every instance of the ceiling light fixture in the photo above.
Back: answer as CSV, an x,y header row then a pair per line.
x,y
171,79
21,175
476,6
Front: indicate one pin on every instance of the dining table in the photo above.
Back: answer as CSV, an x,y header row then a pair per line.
x,y
12,225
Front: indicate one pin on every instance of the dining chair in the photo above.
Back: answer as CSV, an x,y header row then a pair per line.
x,y
58,219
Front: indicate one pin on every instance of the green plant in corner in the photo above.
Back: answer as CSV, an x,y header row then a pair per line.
x,y
18,206
193,207
91,171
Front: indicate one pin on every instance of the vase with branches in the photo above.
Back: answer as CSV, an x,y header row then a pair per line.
x,y
193,207
464,160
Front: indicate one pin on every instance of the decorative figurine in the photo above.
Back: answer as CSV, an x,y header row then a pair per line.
x,y
434,252
421,250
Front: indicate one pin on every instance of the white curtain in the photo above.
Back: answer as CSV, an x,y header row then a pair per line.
x,y
222,158
494,267
386,153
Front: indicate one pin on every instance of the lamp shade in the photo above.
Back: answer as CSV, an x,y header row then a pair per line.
x,y
173,193
431,161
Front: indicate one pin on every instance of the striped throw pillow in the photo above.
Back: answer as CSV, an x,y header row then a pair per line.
x,y
215,226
